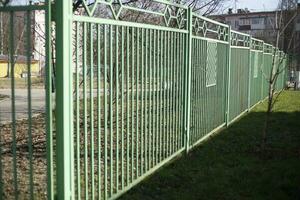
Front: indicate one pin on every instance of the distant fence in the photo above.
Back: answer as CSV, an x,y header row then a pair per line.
x,y
130,96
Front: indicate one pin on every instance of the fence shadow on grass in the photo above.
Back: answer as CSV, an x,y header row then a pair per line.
x,y
230,165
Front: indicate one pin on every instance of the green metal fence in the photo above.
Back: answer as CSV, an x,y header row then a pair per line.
x,y
208,81
26,149
256,76
131,93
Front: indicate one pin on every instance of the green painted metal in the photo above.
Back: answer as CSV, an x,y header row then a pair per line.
x,y
256,76
239,73
64,102
208,91
143,93
23,181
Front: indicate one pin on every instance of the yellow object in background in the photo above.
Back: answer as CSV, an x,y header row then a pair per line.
x,y
20,67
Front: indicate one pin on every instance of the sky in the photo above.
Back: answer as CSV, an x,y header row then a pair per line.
x,y
255,5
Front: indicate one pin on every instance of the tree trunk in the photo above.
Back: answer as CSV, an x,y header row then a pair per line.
x,y
268,115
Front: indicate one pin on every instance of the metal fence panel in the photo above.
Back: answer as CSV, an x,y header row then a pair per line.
x,y
208,100
266,70
26,150
129,119
239,73
131,94
256,77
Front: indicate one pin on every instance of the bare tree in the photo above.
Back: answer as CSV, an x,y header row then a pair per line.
x,y
282,24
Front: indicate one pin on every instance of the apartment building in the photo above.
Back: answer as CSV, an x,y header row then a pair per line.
x,y
258,24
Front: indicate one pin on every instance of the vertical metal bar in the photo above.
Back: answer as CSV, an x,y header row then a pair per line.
x,y
164,96
49,113
178,84
176,81
173,99
198,86
249,75
262,72
64,107
152,97
182,88
127,106
188,80
77,115
160,89
168,57
105,32
137,101
13,111
99,116
142,104
92,111
146,121
157,77
193,98
111,122
132,103
122,107
117,107
85,110
228,85
150,101
28,39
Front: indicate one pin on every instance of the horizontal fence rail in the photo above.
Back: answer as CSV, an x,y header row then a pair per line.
x,y
126,89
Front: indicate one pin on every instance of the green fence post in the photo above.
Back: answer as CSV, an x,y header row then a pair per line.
x,y
49,105
262,73
187,81
227,117
249,78
64,114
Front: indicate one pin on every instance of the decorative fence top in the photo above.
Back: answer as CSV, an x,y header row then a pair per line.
x,y
205,27
240,39
257,44
268,48
171,13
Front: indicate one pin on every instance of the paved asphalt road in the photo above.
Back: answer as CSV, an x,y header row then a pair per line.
x,y
21,103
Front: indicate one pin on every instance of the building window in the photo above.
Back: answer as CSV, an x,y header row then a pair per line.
x,y
255,21
245,21
211,64
236,24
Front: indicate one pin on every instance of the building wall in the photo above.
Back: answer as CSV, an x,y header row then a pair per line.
x,y
20,68
259,25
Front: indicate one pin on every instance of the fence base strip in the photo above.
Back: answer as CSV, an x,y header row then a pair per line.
x,y
150,172
237,117
213,132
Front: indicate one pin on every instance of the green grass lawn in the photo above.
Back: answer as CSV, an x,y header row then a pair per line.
x,y
230,165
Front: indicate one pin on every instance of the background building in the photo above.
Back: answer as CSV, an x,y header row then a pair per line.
x,y
262,25
258,24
